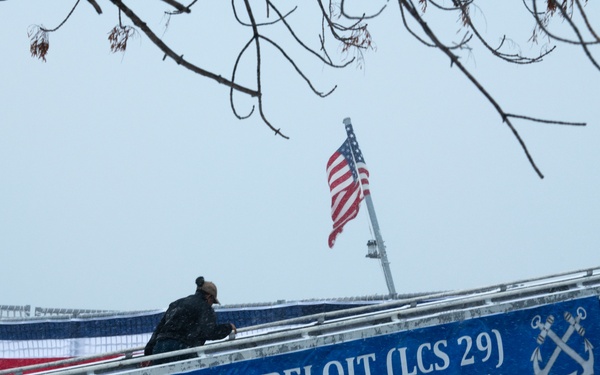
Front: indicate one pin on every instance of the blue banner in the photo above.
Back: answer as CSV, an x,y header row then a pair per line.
x,y
561,338
146,322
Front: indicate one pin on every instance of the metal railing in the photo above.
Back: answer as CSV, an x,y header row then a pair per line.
x,y
406,313
9,311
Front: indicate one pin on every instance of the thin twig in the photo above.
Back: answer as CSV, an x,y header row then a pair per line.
x,y
177,5
555,122
64,21
178,58
455,61
256,39
96,6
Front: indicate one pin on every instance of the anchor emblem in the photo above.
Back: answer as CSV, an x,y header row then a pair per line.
x,y
561,343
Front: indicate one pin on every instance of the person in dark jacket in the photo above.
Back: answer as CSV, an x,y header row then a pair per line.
x,y
188,322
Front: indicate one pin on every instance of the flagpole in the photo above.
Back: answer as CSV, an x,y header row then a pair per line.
x,y
385,264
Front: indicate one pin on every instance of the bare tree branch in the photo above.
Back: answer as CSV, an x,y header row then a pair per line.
x,y
363,16
235,67
579,40
239,20
256,39
406,4
179,58
177,5
587,22
300,73
310,50
359,38
546,121
39,44
96,6
63,21
541,23
354,37
512,58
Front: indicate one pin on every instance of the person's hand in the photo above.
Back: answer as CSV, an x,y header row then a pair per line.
x,y
233,329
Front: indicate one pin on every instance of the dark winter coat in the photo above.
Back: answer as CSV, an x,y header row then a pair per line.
x,y
191,321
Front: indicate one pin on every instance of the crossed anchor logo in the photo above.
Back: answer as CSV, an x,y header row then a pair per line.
x,y
561,343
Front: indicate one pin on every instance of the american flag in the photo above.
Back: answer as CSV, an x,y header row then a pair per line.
x,y
348,179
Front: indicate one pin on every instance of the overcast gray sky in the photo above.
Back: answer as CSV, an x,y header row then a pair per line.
x,y
124,177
